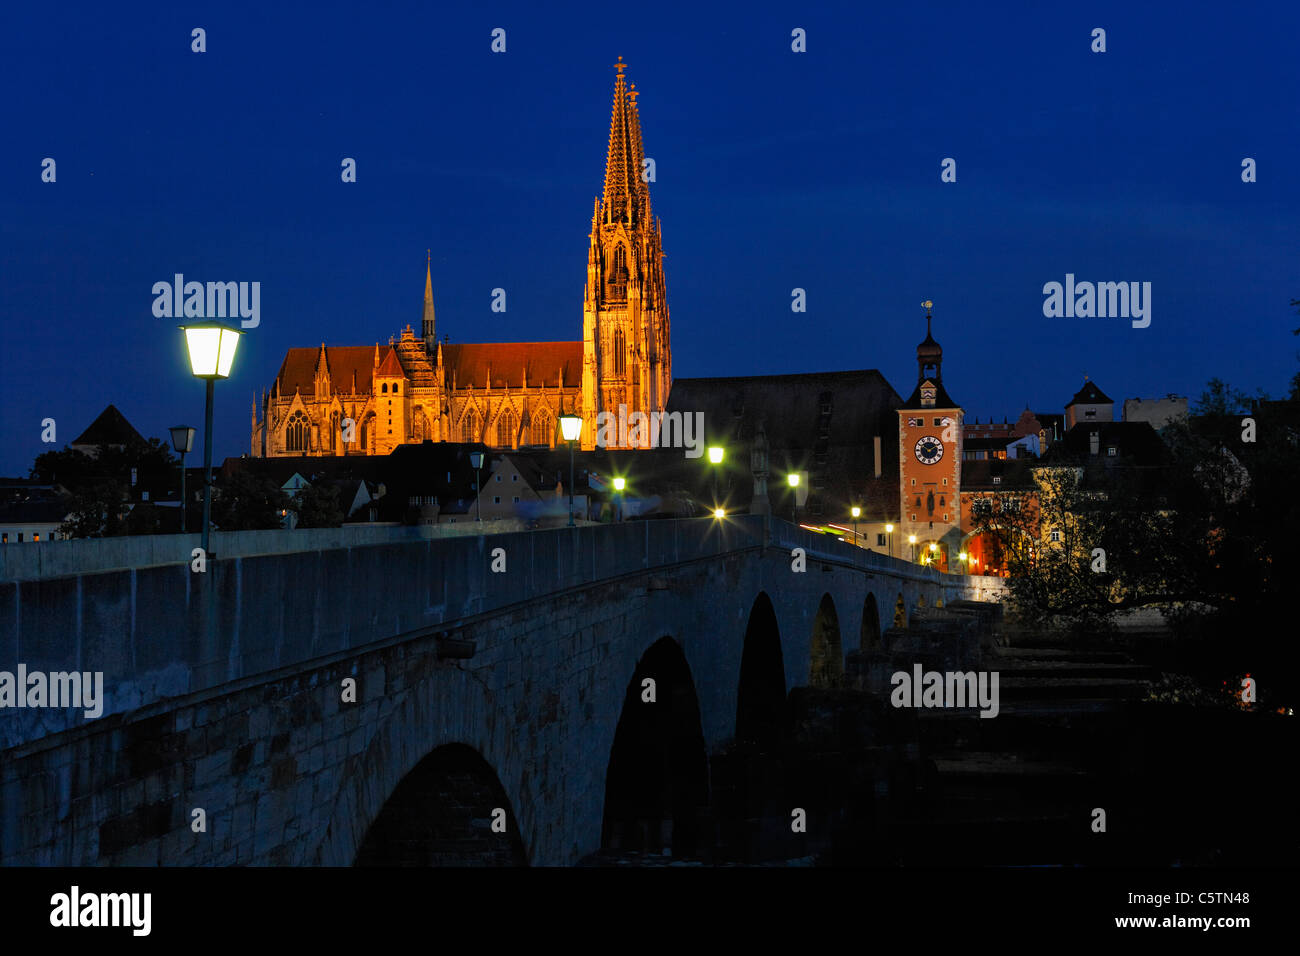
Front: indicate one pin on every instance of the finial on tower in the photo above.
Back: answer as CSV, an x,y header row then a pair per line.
x,y
620,66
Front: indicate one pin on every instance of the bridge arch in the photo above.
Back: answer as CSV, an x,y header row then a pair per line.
x,y
760,699
869,632
826,668
657,782
450,810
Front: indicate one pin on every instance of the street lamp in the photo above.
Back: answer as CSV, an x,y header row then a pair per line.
x,y
211,348
856,512
183,442
719,512
570,428
889,538
619,485
911,539
476,462
715,458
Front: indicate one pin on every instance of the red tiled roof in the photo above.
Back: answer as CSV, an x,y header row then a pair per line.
x,y
390,366
543,361
298,370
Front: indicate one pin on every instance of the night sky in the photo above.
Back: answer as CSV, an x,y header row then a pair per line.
x,y
775,170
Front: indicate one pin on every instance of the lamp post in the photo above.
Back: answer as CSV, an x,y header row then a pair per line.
x,y
619,485
792,480
889,538
856,512
911,539
716,453
571,428
211,347
476,461
183,442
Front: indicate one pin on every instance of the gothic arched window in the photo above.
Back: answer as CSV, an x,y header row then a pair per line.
x,y
620,352
507,428
295,435
618,273
543,428
383,389
469,427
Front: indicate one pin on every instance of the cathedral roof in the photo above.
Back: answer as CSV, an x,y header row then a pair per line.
x,y
543,363
298,371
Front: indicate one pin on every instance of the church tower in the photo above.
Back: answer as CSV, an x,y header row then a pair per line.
x,y
929,455
625,335
429,332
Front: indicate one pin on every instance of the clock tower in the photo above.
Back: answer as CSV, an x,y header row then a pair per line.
x,y
929,454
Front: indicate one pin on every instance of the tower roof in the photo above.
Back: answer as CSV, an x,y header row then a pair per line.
x,y
110,428
626,193
1090,394
390,367
428,295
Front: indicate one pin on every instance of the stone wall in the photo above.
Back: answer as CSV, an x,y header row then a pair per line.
x,y
245,719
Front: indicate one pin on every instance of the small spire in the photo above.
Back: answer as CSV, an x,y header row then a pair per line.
x,y
428,323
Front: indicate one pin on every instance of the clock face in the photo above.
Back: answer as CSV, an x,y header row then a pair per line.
x,y
929,450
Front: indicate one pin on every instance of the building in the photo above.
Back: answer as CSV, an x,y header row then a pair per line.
x,y
836,430
371,399
32,510
930,447
1089,404
1156,412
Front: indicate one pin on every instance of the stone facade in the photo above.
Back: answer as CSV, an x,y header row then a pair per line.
x,y
250,726
504,394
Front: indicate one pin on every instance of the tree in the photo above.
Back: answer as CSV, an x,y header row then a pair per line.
x,y
318,506
96,511
248,502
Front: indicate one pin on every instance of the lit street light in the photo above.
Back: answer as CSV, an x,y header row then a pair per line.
x,y
211,348
719,512
619,485
856,512
183,442
571,428
716,453
889,538
911,539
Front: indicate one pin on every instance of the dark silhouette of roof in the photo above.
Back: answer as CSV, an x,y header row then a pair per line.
x,y
1090,394
110,428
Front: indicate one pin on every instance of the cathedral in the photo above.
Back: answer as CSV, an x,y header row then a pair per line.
x,y
368,400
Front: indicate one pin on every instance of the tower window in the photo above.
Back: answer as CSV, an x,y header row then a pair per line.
x,y
618,273
384,388
620,349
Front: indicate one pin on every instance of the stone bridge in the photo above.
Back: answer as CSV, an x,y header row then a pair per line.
x,y
348,696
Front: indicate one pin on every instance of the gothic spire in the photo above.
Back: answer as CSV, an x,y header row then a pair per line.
x,y
430,336
625,192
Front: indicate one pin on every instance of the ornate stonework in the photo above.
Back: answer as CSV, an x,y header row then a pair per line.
x,y
505,394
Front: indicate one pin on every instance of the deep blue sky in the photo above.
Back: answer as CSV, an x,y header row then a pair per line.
x,y
775,170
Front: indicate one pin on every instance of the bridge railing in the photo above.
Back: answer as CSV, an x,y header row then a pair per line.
x,y
161,630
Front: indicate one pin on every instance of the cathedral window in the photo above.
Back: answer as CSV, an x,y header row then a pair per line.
x,y
620,351
507,428
469,427
618,273
295,434
397,387
384,388
543,428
